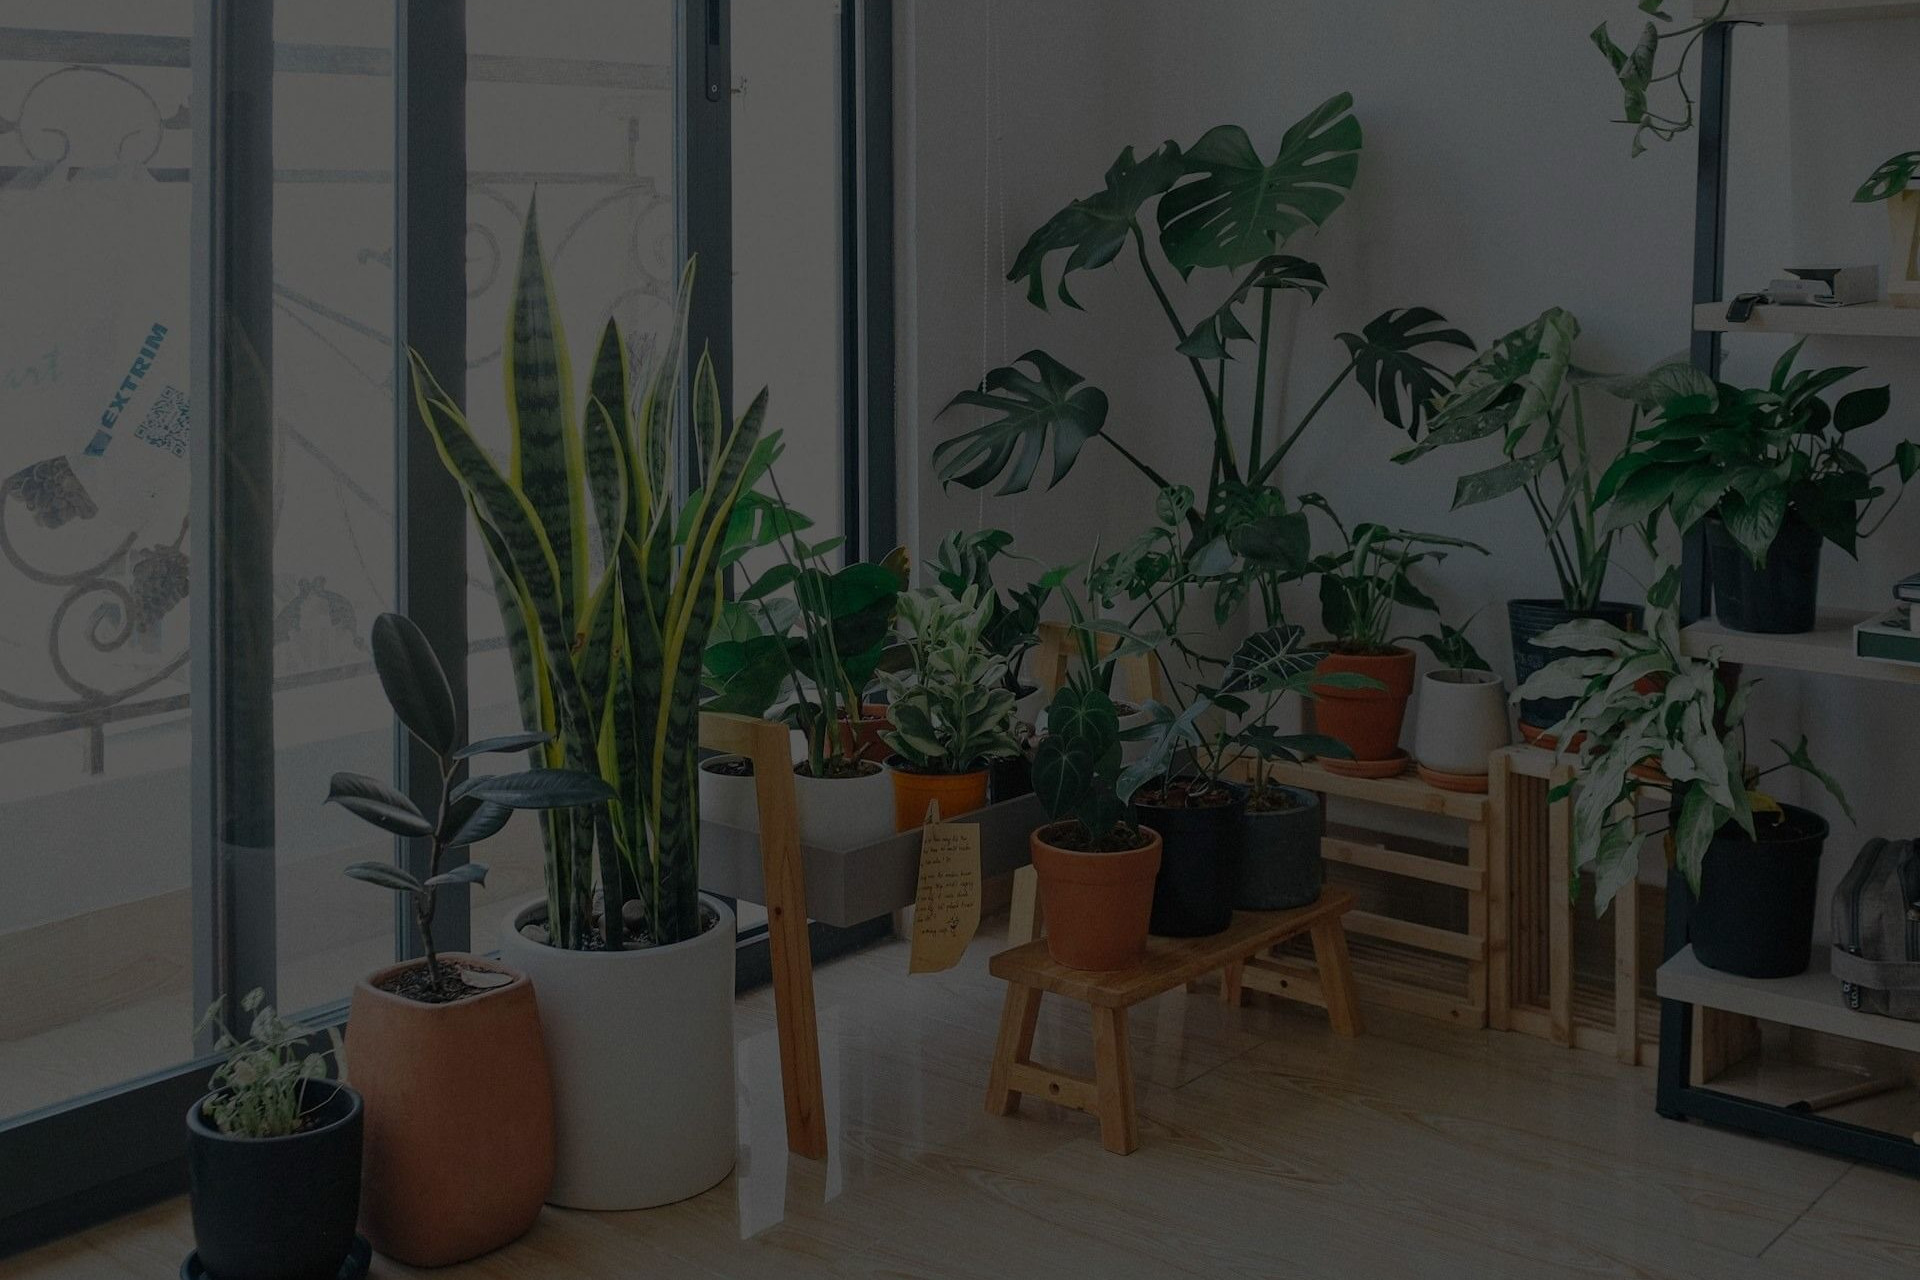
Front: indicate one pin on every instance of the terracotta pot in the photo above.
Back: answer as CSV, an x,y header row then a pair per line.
x,y
913,789
1097,904
863,734
1367,720
459,1130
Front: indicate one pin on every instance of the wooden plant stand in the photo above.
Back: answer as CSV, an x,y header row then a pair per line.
x,y
1031,973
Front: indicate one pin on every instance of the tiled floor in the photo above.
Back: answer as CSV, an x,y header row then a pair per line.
x,y
1269,1148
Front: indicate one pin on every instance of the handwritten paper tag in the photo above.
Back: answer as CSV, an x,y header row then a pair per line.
x,y
946,909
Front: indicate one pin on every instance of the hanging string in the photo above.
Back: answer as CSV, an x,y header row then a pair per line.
x,y
987,275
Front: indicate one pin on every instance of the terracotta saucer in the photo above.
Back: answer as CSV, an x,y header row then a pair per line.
x,y
1471,783
1537,737
1392,767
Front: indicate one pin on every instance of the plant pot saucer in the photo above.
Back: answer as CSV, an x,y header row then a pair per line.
x,y
1466,783
1391,767
1538,737
355,1266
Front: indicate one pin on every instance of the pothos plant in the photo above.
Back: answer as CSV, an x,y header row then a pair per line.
x,y
1366,581
259,1088
950,709
1216,206
965,561
1645,71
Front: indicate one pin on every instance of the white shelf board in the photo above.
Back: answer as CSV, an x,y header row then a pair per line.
x,y
1808,10
1812,1000
1868,320
1826,650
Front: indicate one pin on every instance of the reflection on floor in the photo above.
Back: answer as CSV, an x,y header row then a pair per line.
x,y
1268,1148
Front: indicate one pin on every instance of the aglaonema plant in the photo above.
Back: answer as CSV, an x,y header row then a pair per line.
x,y
950,708
468,811
608,660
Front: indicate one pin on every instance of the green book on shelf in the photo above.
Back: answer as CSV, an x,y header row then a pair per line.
x,y
1890,638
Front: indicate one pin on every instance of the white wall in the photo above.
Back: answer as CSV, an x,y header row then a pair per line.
x,y
1492,186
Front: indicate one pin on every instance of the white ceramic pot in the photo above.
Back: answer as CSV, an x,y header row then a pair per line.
x,y
641,1044
1461,719
835,813
728,800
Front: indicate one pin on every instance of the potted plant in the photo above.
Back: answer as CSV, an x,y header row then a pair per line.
x,y
1361,587
1462,716
1639,70
1772,472
1525,391
633,965
1892,183
1096,864
273,1158
805,642
446,1183
951,709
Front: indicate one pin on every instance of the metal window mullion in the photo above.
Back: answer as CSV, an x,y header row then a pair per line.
x,y
871,460
231,506
1709,265
430,317
704,189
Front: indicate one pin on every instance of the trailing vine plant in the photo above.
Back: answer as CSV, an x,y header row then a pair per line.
x,y
1641,79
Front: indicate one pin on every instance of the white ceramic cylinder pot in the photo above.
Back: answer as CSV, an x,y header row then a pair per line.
x,y
641,1044
1461,719
835,813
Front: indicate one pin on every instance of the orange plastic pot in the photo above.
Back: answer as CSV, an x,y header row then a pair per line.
x,y
1097,904
1367,720
459,1117
913,790
860,739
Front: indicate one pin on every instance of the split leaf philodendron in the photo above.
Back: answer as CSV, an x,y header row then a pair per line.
x,y
608,660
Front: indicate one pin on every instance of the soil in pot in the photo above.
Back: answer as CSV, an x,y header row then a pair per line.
x,y
1779,597
446,1179
1098,893
1754,913
279,1208
1368,721
1529,618
1280,864
1202,831
914,789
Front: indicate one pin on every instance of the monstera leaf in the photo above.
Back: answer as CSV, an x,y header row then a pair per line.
x,y
1050,402
1094,230
1209,338
1239,208
1890,179
1386,363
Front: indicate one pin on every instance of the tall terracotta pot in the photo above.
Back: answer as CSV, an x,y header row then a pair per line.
x,y
957,793
459,1117
1367,720
1097,903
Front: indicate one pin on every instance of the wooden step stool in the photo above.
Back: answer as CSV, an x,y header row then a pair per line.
x,y
1170,962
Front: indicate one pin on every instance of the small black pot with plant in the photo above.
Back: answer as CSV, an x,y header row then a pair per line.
x,y
1753,915
273,1160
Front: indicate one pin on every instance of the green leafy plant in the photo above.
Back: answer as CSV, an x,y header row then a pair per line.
x,y
259,1091
1639,72
1217,206
608,662
1363,584
1649,717
1525,390
951,709
1078,769
468,811
965,560
1752,457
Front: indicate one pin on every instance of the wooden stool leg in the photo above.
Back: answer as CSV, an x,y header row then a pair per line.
x,y
1113,1080
1018,1018
1336,977
1230,983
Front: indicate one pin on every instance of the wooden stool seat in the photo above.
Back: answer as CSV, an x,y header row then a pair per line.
x,y
1030,972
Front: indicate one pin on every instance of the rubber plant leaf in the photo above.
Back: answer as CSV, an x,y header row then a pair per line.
x,y
1238,209
1094,230
1049,404
374,801
414,682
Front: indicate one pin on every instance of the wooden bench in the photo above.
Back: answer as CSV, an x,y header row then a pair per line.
x,y
1031,973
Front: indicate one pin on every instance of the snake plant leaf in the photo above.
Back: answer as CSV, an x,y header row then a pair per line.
x,y
1048,404
1094,230
606,464
372,800
414,682
522,633
547,461
504,744
386,875
465,873
1890,179
1209,339
471,820
1388,365
1238,208
596,657
538,789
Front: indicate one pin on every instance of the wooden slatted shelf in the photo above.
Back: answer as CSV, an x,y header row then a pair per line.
x,y
1868,320
1808,10
1826,650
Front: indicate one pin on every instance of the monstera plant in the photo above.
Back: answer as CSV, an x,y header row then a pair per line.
x,y
1217,206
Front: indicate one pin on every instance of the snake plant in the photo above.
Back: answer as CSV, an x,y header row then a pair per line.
x,y
606,620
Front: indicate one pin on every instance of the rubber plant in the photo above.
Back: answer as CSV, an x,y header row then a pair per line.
x,y
1216,207
607,660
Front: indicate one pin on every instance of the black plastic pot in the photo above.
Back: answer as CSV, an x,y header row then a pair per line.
x,y
1779,597
1754,912
1199,858
1529,618
1280,863
278,1208
1009,777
